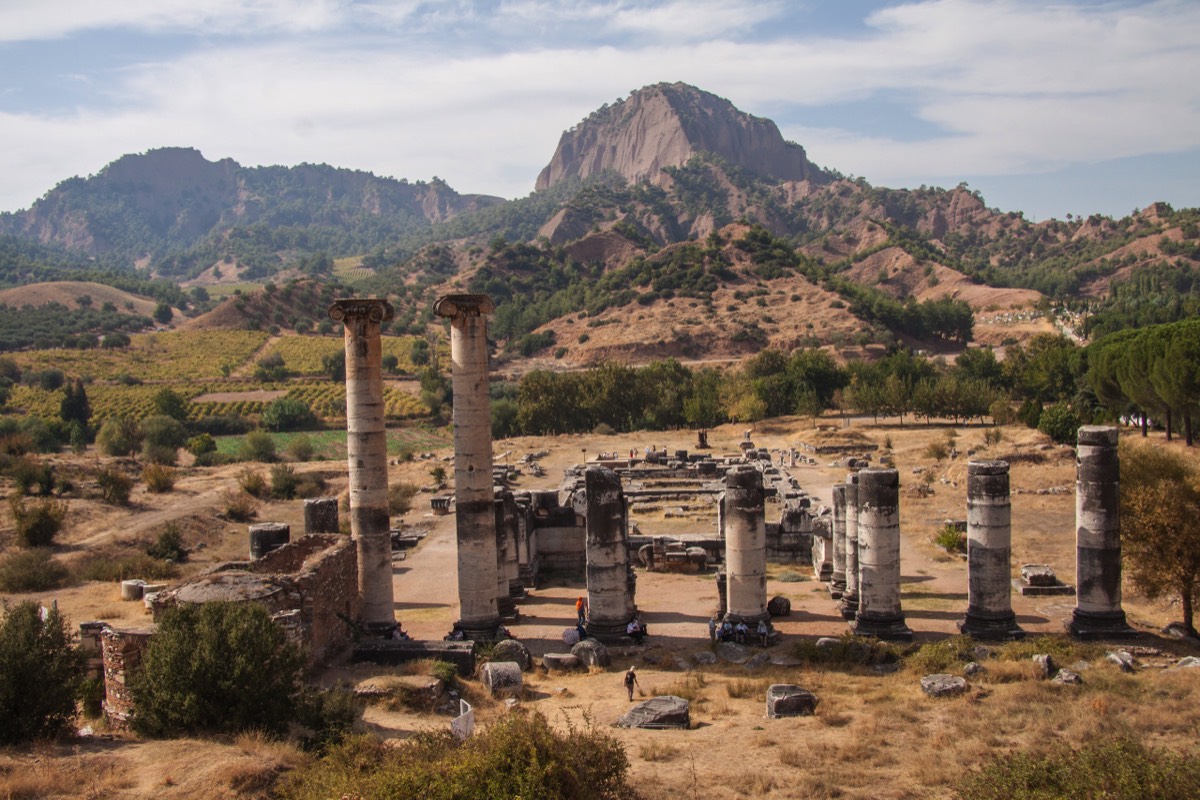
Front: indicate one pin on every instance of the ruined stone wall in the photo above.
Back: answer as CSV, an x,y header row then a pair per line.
x,y
327,586
562,549
122,654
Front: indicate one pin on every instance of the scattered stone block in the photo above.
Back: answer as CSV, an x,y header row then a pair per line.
x,y
1066,677
502,677
570,637
974,670
790,700
1038,575
1188,662
779,606
392,652
592,653
667,711
757,660
1046,668
1038,580
132,589
512,650
1176,630
1122,659
732,652
704,657
943,685
561,661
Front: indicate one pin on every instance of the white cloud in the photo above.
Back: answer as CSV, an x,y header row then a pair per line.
x,y
23,20
1008,87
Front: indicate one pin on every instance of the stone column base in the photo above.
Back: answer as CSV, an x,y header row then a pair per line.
x,y
891,629
751,620
824,572
612,633
848,606
1088,626
479,630
991,629
380,630
507,607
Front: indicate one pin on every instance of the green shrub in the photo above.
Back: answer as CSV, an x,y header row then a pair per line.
x,y
327,717
1060,423
159,454
217,668
239,506
109,568
951,539
119,436
115,486
946,655
252,482
91,697
201,443
31,476
38,522
40,671
158,478
283,482
517,756
257,446
32,570
400,498
1111,767
168,546
300,449
288,414
938,451
163,431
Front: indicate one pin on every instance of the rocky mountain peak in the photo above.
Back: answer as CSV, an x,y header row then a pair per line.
x,y
664,125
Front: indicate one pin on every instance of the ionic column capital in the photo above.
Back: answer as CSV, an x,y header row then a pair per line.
x,y
464,305
367,309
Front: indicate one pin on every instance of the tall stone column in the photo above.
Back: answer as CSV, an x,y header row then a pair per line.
x,y
745,547
478,570
989,547
610,592
879,612
837,584
1098,613
366,449
849,603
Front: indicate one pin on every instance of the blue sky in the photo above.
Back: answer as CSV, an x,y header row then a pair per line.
x,y
1045,107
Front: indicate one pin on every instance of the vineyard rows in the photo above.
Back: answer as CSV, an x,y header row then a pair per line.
x,y
305,355
327,400
164,357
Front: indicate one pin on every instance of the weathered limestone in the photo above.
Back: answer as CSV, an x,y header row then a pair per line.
x,y
478,567
610,589
943,685
321,515
1098,612
502,678
879,613
268,536
667,711
790,700
837,583
366,446
745,548
849,603
989,545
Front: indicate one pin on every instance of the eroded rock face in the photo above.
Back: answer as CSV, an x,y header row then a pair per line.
x,y
943,685
592,653
667,711
664,126
512,650
502,677
789,700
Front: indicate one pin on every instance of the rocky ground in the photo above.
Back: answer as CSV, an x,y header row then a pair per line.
x,y
875,733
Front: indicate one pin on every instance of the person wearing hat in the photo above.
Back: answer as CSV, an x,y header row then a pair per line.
x,y
631,681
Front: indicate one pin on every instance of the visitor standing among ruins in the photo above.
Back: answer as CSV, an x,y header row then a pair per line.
x,y
631,681
581,609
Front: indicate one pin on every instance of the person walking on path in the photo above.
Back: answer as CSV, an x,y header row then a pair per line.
x,y
631,681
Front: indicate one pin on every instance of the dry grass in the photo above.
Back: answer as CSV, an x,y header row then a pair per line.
x,y
41,776
657,751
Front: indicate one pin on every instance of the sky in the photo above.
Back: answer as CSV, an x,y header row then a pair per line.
x,y
1049,108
